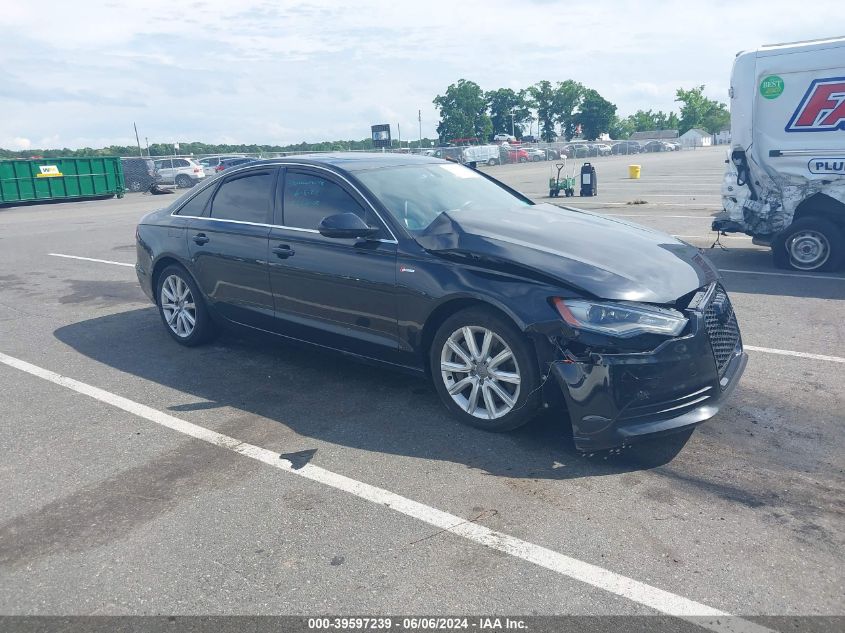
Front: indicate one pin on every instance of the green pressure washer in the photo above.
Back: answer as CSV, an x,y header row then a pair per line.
x,y
566,184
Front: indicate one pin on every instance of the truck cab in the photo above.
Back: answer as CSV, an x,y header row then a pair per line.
x,y
785,179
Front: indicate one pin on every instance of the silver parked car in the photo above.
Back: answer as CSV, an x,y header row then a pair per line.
x,y
183,172
210,163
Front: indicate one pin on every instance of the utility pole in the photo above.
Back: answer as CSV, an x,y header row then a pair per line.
x,y
399,132
419,118
513,129
137,140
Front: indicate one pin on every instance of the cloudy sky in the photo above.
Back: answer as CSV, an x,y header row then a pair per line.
x,y
76,74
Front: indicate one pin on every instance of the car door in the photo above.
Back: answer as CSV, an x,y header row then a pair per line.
x,y
165,170
335,292
228,247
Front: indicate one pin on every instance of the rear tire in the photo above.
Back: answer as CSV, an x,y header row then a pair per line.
x,y
135,185
182,308
810,244
491,162
485,370
184,182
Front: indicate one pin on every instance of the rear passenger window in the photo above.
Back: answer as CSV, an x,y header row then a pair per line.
x,y
196,206
181,162
244,198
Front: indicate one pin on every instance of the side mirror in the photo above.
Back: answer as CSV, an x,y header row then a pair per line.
x,y
345,225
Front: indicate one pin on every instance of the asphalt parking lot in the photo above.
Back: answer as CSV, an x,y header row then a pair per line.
x,y
131,488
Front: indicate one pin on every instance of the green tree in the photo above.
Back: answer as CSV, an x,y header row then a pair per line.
x,y
621,128
463,112
504,101
642,120
701,112
543,96
596,115
672,122
568,97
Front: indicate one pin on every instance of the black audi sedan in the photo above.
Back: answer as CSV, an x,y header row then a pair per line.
x,y
435,268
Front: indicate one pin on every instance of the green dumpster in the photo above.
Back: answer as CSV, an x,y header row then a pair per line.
x,y
60,179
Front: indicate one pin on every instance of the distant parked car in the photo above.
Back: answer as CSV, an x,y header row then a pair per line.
x,y
658,146
676,146
183,172
576,151
626,147
515,154
139,174
529,138
210,163
226,163
602,149
504,137
535,154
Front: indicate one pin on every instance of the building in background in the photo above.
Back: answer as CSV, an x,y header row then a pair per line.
x,y
696,137
654,135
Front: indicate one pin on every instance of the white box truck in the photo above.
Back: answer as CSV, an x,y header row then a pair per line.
x,y
785,181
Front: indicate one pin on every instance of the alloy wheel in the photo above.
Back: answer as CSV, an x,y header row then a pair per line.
x,y
178,307
480,372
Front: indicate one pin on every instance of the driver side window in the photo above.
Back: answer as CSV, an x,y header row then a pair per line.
x,y
309,198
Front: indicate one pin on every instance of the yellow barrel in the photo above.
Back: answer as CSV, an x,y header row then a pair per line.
x,y
634,171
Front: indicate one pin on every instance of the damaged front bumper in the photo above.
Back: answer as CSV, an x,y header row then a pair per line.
x,y
617,399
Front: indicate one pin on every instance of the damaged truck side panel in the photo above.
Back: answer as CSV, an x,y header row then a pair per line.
x,y
785,180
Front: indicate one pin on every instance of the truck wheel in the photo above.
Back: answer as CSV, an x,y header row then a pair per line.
x,y
809,244
491,162
135,185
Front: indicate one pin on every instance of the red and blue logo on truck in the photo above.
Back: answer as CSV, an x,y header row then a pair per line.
x,y
822,109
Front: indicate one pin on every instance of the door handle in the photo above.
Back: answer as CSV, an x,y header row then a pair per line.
x,y
283,251
200,238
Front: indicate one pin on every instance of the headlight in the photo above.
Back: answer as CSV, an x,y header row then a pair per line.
x,y
621,319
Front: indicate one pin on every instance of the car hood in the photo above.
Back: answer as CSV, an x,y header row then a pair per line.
x,y
598,256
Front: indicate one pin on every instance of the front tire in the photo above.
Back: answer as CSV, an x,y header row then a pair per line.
x,y
492,162
485,371
810,244
182,308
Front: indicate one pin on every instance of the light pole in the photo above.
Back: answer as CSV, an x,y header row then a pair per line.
x,y
513,129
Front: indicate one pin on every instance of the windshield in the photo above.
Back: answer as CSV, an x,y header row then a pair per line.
x,y
416,194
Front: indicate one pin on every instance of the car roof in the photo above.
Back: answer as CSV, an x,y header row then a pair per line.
x,y
354,161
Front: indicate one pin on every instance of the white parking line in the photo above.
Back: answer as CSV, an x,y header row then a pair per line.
x,y
91,259
712,237
796,275
659,215
786,352
639,592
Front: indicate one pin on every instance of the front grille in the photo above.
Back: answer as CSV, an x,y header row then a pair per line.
x,y
722,328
